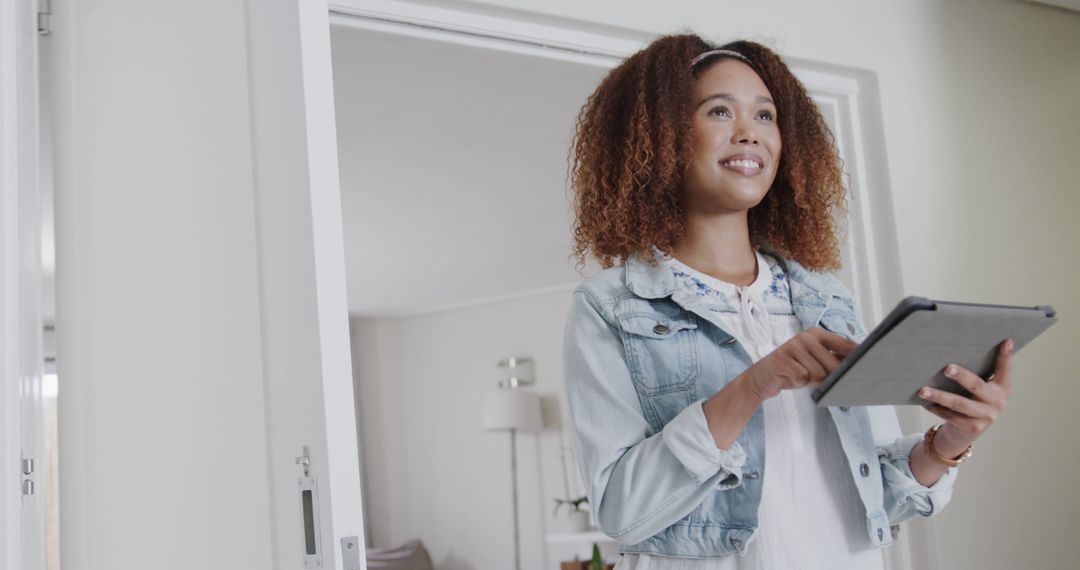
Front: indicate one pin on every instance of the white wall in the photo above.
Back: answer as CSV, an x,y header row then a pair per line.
x,y
1009,209
432,472
979,104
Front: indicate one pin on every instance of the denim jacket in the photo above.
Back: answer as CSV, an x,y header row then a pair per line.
x,y
640,357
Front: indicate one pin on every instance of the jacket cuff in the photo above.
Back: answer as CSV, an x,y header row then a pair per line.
x,y
688,438
896,469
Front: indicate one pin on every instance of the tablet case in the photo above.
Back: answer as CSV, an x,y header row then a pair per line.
x,y
914,343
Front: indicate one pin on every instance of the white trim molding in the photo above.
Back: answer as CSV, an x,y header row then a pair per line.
x,y
516,32
22,516
10,526
848,99
428,310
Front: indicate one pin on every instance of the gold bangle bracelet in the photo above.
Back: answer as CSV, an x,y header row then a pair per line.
x,y
928,442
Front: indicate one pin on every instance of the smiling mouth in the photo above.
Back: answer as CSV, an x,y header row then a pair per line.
x,y
743,165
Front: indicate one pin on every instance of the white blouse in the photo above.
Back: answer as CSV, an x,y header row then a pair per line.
x,y
810,516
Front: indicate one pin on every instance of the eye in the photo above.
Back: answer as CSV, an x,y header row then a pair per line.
x,y
718,111
766,115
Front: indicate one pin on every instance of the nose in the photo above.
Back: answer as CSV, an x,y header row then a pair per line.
x,y
744,132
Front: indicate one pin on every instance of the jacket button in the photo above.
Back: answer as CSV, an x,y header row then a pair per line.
x,y
864,470
661,329
729,341
752,475
845,409
736,543
851,328
880,534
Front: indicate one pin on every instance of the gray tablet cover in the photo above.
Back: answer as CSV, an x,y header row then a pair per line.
x,y
914,343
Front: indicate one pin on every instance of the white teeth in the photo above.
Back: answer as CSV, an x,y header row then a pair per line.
x,y
743,163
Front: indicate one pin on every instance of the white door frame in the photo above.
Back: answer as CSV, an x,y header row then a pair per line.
x,y
335,468
22,517
850,96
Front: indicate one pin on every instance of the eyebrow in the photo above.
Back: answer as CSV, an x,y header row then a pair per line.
x,y
731,98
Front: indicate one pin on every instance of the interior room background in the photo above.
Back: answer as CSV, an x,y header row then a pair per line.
x,y
196,218
465,241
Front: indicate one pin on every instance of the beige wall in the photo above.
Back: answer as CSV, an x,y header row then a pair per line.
x,y
982,129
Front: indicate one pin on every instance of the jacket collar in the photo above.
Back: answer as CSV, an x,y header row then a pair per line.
x,y
654,280
649,280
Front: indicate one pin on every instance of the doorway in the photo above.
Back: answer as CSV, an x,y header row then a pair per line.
x,y
457,239
453,131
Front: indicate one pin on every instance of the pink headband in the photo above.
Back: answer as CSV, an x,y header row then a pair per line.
x,y
715,52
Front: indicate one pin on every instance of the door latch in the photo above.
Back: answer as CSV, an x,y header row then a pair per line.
x,y
309,512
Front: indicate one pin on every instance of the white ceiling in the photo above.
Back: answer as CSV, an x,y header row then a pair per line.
x,y
453,170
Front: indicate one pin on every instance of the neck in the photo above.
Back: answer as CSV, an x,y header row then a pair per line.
x,y
719,245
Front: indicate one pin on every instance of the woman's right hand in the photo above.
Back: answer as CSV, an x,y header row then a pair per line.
x,y
804,360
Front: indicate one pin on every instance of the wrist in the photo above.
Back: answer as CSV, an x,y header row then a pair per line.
x,y
747,384
728,411
941,451
949,443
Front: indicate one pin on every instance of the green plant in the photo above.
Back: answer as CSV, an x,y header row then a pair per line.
x,y
597,561
575,504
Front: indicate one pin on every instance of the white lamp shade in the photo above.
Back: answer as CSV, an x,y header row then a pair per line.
x,y
512,409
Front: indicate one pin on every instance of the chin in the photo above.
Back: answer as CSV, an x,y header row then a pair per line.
x,y
724,196
744,198
728,204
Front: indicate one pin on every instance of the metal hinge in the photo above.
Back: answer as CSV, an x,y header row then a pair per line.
x,y
27,469
44,26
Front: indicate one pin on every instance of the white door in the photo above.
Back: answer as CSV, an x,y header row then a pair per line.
x,y
202,337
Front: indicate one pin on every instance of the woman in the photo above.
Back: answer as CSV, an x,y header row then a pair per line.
x,y
708,185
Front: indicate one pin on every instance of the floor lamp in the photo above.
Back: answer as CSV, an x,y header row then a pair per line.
x,y
513,409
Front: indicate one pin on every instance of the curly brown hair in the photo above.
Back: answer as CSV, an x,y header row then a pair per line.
x,y
632,148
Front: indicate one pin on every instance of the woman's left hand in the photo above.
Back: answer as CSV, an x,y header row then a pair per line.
x,y
968,418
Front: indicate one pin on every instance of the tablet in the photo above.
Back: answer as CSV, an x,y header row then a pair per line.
x,y
914,343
